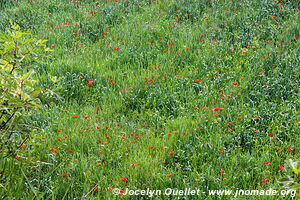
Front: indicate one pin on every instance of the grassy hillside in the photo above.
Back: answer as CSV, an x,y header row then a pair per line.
x,y
158,94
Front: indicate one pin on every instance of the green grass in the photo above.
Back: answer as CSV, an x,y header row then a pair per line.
x,y
145,59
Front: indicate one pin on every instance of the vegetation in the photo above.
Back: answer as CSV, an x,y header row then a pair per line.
x,y
148,94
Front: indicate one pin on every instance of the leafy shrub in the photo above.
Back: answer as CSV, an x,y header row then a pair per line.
x,y
18,92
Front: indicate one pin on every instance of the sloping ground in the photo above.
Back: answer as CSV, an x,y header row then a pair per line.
x,y
184,94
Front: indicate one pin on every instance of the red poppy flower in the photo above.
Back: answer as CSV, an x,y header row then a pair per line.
x,y
290,150
270,134
75,116
197,81
90,83
229,123
267,163
281,168
86,118
70,150
131,134
222,171
151,147
171,153
124,179
18,157
96,189
265,180
169,175
277,149
116,48
222,151
64,175
235,84
216,109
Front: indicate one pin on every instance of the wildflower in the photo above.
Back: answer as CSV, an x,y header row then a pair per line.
x,y
75,116
265,180
69,150
124,179
235,84
222,171
171,153
267,163
131,134
229,123
86,118
270,134
290,150
64,175
116,48
121,191
222,151
277,149
197,81
18,157
151,147
90,83
216,109
281,168
169,175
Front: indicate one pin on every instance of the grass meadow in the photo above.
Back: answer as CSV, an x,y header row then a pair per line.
x,y
158,94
